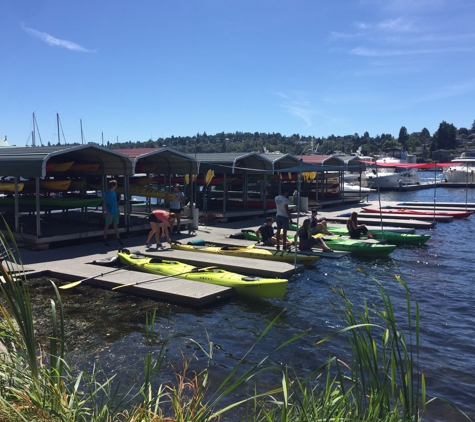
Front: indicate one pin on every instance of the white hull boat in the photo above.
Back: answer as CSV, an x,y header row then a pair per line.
x,y
388,177
354,189
463,171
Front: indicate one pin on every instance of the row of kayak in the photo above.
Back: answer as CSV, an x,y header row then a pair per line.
x,y
392,237
259,286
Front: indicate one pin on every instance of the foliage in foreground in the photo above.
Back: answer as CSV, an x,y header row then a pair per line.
x,y
380,383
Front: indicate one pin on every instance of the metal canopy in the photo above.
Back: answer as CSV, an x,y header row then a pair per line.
x,y
161,160
31,161
280,161
234,163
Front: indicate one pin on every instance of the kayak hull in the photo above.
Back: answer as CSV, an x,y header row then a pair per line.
x,y
250,252
455,214
356,247
243,286
391,237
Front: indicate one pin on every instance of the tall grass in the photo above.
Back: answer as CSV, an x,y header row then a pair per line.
x,y
380,381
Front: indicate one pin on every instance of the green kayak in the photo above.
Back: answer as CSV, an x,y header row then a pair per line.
x,y
391,237
357,247
53,202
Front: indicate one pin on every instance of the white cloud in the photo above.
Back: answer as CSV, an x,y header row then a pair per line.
x,y
298,106
56,42
369,52
396,25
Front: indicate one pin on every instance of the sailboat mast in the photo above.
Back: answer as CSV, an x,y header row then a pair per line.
x,y
33,133
82,133
57,124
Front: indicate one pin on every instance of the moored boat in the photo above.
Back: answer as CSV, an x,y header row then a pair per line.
x,y
462,170
243,285
250,252
455,214
394,169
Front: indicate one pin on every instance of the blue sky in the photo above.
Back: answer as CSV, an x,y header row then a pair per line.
x,y
135,70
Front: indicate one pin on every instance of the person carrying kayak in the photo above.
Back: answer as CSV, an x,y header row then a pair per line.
x,y
306,241
356,230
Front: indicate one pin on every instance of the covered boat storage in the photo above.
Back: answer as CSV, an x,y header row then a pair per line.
x,y
247,185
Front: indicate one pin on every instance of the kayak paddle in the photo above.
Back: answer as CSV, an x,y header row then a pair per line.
x,y
194,270
76,283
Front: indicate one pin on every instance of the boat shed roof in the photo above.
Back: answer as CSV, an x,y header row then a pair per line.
x,y
235,163
323,160
280,161
161,160
31,161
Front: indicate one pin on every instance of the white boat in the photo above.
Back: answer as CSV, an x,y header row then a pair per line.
x,y
355,189
463,170
384,176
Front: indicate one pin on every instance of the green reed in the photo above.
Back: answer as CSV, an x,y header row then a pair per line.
x,y
380,381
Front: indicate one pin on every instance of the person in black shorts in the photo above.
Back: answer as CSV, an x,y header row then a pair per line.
x,y
176,205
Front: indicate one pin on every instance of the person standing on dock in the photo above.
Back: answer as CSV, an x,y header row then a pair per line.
x,y
283,218
176,205
318,225
111,210
155,217
356,230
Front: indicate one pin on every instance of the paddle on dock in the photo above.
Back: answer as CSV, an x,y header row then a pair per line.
x,y
194,270
77,283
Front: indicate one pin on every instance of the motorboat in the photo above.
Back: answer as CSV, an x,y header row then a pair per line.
x,y
462,171
390,171
355,189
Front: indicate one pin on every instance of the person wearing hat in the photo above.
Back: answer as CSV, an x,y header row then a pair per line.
x,y
306,241
318,225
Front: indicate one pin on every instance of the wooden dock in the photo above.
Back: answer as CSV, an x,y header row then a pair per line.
x,y
73,261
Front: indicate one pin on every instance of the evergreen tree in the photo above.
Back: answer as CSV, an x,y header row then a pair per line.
x,y
403,137
446,136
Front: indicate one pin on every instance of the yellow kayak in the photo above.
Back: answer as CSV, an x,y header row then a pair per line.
x,y
6,186
250,252
243,285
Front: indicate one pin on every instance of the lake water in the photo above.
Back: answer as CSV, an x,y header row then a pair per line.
x,y
107,328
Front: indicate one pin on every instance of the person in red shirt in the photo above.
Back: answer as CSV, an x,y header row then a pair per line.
x,y
156,219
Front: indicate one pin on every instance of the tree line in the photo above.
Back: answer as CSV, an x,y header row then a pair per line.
x,y
447,137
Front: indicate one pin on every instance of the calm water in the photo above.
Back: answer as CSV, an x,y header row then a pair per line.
x,y
108,328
